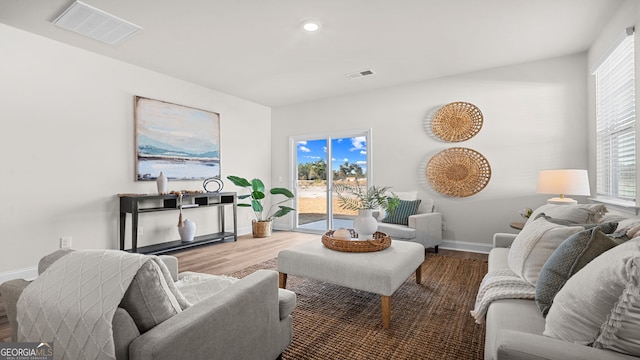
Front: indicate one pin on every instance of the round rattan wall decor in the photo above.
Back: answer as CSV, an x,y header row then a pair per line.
x,y
457,121
458,172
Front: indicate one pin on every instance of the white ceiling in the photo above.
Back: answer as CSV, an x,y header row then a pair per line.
x,y
256,50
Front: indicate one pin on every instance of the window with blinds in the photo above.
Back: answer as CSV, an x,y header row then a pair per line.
x,y
615,122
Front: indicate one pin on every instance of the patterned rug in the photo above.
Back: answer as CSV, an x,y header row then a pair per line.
x,y
428,321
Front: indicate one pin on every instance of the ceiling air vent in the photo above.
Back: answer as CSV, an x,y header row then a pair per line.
x,y
360,74
96,24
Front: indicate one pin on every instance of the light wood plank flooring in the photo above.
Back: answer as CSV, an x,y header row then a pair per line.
x,y
230,256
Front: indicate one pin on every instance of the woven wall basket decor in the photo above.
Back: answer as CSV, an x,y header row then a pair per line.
x,y
458,172
457,121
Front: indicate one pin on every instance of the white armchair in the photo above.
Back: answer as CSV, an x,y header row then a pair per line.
x,y
423,227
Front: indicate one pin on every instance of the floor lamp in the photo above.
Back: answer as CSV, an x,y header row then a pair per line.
x,y
563,182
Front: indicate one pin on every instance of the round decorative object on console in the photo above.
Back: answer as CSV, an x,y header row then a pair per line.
x,y
458,172
213,185
457,121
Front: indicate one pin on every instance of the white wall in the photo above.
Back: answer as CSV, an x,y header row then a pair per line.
x,y
67,146
627,15
534,118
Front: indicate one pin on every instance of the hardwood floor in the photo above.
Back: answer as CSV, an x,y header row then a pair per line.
x,y
230,256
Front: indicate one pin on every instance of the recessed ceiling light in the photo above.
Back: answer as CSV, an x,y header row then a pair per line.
x,y
311,26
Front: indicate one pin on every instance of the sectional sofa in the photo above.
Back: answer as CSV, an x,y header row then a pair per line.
x,y
563,289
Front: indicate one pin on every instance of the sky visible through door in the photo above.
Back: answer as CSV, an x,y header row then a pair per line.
x,y
352,150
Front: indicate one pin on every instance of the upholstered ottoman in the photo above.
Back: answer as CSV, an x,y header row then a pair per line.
x,y
379,272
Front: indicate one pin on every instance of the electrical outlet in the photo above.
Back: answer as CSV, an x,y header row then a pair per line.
x,y
65,242
444,226
140,230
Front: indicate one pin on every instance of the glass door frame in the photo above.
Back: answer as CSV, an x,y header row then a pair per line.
x,y
328,137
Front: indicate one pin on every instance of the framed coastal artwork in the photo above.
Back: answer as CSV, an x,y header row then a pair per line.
x,y
180,141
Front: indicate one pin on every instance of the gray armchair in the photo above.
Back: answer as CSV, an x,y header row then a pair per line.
x,y
249,318
424,227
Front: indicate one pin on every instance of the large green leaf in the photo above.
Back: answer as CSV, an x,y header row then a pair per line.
x,y
257,206
282,191
284,210
257,185
239,181
258,195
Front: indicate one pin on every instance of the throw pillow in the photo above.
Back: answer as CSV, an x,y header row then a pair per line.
x,y
605,227
578,213
626,228
402,212
572,255
402,195
600,304
533,246
149,300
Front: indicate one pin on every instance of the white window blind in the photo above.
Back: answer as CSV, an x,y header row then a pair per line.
x,y
615,123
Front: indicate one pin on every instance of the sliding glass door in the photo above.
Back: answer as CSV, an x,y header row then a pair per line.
x,y
319,162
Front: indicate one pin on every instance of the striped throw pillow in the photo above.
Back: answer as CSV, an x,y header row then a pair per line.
x,y
402,212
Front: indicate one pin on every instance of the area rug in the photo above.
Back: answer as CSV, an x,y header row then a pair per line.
x,y
428,321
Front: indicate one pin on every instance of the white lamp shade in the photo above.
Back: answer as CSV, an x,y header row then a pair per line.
x,y
564,182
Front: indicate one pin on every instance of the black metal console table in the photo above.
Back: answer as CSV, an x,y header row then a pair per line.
x,y
135,204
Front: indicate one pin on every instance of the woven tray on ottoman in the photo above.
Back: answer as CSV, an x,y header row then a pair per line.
x,y
380,241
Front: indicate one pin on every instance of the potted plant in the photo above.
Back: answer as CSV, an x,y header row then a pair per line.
x,y
365,200
262,224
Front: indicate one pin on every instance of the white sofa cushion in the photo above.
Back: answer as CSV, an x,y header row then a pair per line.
x,y
426,205
396,231
533,246
577,214
600,304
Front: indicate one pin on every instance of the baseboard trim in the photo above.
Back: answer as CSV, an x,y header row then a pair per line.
x,y
466,246
27,274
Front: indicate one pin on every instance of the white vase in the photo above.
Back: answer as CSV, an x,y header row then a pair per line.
x,y
365,225
188,231
162,183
